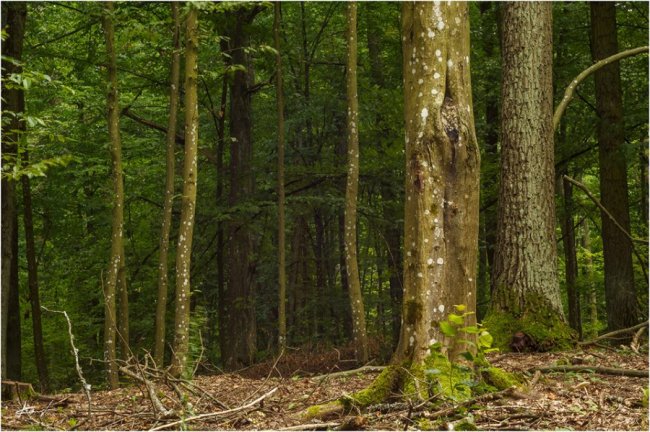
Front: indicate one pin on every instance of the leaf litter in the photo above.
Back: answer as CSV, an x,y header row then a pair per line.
x,y
557,400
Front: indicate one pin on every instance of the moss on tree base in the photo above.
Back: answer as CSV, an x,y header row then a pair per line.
x,y
549,332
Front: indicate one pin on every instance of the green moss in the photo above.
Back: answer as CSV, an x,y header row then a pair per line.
x,y
499,378
451,380
426,424
378,391
549,332
323,411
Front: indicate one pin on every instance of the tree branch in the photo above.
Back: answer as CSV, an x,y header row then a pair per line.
x,y
595,369
614,333
568,93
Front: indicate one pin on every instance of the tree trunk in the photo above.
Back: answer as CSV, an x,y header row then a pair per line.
x,y
13,20
123,309
240,335
32,282
117,260
188,206
359,337
570,258
161,302
620,296
591,294
442,172
282,277
526,291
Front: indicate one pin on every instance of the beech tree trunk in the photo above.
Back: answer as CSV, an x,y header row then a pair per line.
x,y
526,288
359,337
282,276
117,248
620,296
188,206
161,302
442,175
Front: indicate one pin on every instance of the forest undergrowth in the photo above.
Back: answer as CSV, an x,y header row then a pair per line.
x,y
272,395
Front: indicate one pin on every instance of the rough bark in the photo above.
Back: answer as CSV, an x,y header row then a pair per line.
x,y
116,260
359,337
32,282
161,301
188,205
620,296
282,276
13,20
240,334
525,261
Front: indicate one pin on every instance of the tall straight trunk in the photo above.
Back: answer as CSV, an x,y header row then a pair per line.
x,y
218,305
188,206
526,290
570,258
590,291
282,275
32,282
115,146
239,337
359,337
13,20
174,80
442,173
643,170
620,296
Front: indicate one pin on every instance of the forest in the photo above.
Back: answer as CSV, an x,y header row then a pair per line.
x,y
324,215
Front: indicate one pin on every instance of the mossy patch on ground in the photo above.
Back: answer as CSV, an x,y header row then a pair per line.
x,y
549,332
499,378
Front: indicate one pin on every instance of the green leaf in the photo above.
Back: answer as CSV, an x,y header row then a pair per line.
x,y
471,330
447,329
460,307
467,356
485,340
456,319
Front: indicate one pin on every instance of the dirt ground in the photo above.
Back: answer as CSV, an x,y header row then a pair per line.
x,y
563,400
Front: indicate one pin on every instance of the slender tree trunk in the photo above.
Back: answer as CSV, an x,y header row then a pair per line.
x,y
643,168
161,302
359,337
570,258
282,276
239,338
591,294
117,260
32,282
620,296
188,206
14,15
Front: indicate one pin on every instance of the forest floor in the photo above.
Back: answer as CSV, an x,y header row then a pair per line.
x,y
559,400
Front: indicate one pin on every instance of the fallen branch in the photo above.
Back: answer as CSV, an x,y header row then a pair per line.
x,y
75,351
363,369
216,414
311,426
594,369
155,401
614,333
511,391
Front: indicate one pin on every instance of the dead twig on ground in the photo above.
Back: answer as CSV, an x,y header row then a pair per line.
x,y
216,414
311,426
159,408
75,351
614,333
595,369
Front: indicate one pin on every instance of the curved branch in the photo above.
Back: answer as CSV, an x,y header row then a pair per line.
x,y
568,93
595,369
